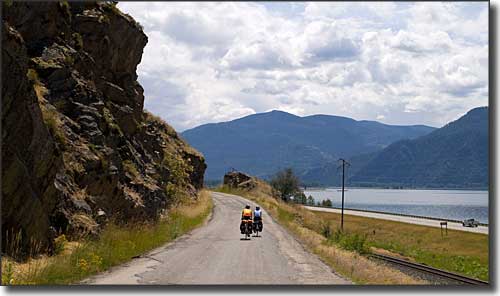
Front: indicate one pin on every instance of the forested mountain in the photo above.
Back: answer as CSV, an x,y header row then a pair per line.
x,y
263,143
454,156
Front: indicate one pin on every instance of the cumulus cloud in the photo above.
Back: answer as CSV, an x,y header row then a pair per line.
x,y
396,62
326,42
255,55
196,29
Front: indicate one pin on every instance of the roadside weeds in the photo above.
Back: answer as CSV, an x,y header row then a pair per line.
x,y
115,245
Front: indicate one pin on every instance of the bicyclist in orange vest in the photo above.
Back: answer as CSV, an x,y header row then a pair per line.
x,y
246,215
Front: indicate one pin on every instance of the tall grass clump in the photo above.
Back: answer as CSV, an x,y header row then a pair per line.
x,y
351,242
179,170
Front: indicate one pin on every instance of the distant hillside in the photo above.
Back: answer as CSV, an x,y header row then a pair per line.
x,y
261,144
454,156
328,174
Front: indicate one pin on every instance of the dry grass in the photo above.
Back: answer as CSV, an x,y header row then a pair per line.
x,y
115,245
49,112
130,168
41,91
304,225
459,251
195,208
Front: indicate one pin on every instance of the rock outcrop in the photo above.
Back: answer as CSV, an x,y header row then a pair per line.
x,y
78,149
239,180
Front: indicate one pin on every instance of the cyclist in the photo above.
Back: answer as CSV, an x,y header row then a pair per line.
x,y
257,219
257,214
246,215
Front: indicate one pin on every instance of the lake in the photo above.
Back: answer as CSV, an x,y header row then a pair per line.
x,y
448,204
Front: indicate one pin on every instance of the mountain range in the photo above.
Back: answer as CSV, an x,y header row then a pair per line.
x,y
260,144
453,156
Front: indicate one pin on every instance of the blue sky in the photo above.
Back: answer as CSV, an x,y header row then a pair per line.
x,y
395,62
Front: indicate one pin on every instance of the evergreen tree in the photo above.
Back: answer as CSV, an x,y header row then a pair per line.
x,y
286,183
310,200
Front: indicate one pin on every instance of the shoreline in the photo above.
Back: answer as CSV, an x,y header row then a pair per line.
x,y
461,204
411,219
384,188
396,214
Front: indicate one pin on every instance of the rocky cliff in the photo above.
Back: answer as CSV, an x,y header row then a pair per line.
x,y
78,149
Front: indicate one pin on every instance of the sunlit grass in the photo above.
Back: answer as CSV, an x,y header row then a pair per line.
x,y
458,251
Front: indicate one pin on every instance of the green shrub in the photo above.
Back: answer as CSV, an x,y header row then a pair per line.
x,y
7,274
351,242
300,198
286,183
310,200
179,171
326,229
110,121
327,203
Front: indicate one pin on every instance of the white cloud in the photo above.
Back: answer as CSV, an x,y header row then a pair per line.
x,y
325,42
400,63
256,55
434,41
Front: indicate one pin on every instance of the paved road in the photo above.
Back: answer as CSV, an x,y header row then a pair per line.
x,y
420,221
215,254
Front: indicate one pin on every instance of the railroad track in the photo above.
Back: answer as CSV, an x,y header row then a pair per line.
x,y
431,270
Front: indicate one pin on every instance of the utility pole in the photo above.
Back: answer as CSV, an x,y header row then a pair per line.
x,y
344,163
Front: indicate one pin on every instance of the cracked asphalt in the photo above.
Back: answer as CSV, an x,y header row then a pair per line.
x,y
214,254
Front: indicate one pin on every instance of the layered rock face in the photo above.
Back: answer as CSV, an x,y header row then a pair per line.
x,y
78,149
239,180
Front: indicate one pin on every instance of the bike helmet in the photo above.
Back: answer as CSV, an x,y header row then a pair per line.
x,y
247,207
257,208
